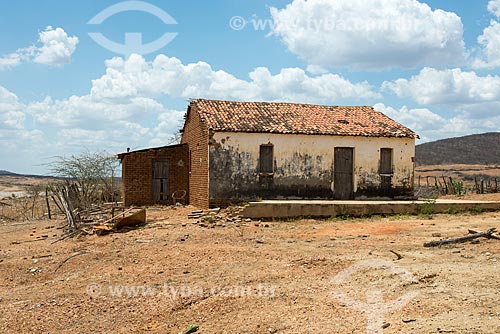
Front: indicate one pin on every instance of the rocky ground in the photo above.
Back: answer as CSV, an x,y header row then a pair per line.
x,y
238,276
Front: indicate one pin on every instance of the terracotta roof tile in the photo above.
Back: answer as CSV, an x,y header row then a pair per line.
x,y
293,118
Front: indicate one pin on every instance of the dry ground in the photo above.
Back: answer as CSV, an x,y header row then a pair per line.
x,y
250,277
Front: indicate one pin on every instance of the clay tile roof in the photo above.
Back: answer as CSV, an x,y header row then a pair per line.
x,y
293,118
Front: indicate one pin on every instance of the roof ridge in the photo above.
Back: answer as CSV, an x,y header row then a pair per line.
x,y
280,102
298,118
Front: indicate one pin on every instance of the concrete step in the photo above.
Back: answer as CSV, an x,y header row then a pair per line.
x,y
317,208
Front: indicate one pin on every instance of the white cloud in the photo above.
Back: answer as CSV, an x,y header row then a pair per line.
x,y
113,138
316,69
490,52
418,120
14,136
494,7
370,34
451,86
57,47
168,76
11,116
85,111
167,126
56,50
9,61
489,42
431,126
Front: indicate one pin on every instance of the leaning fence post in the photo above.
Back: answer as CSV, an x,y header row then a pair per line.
x,y
48,204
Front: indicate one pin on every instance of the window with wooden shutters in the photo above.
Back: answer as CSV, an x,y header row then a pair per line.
x,y
385,169
266,159
386,161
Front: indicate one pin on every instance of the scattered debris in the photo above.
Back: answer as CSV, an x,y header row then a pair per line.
x,y
34,270
397,254
406,321
427,278
217,217
190,329
260,241
72,256
99,225
486,234
129,218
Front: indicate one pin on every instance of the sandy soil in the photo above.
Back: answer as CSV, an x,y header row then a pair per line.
x,y
296,276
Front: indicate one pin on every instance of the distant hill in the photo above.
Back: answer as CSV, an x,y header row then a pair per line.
x,y
483,149
7,173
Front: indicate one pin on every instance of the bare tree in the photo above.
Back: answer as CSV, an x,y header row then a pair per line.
x,y
92,173
176,139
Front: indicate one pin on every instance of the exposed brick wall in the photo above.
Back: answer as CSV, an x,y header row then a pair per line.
x,y
196,135
137,173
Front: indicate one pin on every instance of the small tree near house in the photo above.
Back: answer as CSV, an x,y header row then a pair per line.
x,y
91,173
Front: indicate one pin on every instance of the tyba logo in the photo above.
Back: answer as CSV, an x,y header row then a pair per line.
x,y
133,40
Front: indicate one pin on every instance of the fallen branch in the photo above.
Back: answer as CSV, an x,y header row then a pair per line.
x,y
66,236
492,236
397,254
72,256
486,234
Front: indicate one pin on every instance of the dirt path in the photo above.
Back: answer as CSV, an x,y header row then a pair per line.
x,y
269,277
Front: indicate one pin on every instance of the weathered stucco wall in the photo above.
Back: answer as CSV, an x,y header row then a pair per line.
x,y
303,166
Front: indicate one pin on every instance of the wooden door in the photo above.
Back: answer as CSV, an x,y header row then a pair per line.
x,y
161,191
343,169
385,169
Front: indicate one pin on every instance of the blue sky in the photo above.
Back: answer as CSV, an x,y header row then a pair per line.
x,y
431,65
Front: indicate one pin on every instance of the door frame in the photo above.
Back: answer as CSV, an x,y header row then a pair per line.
x,y
337,174
164,181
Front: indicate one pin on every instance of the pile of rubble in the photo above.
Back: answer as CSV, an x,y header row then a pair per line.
x,y
218,217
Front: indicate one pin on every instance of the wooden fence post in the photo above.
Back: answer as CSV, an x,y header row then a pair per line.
x,y
48,203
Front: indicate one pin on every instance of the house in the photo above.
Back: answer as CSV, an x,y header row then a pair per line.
x,y
234,151
152,175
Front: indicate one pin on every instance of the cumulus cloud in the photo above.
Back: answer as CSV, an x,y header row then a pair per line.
x,y
57,47
168,76
85,111
370,34
56,50
489,41
416,119
9,60
431,126
450,86
169,123
115,138
494,7
11,115
14,136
